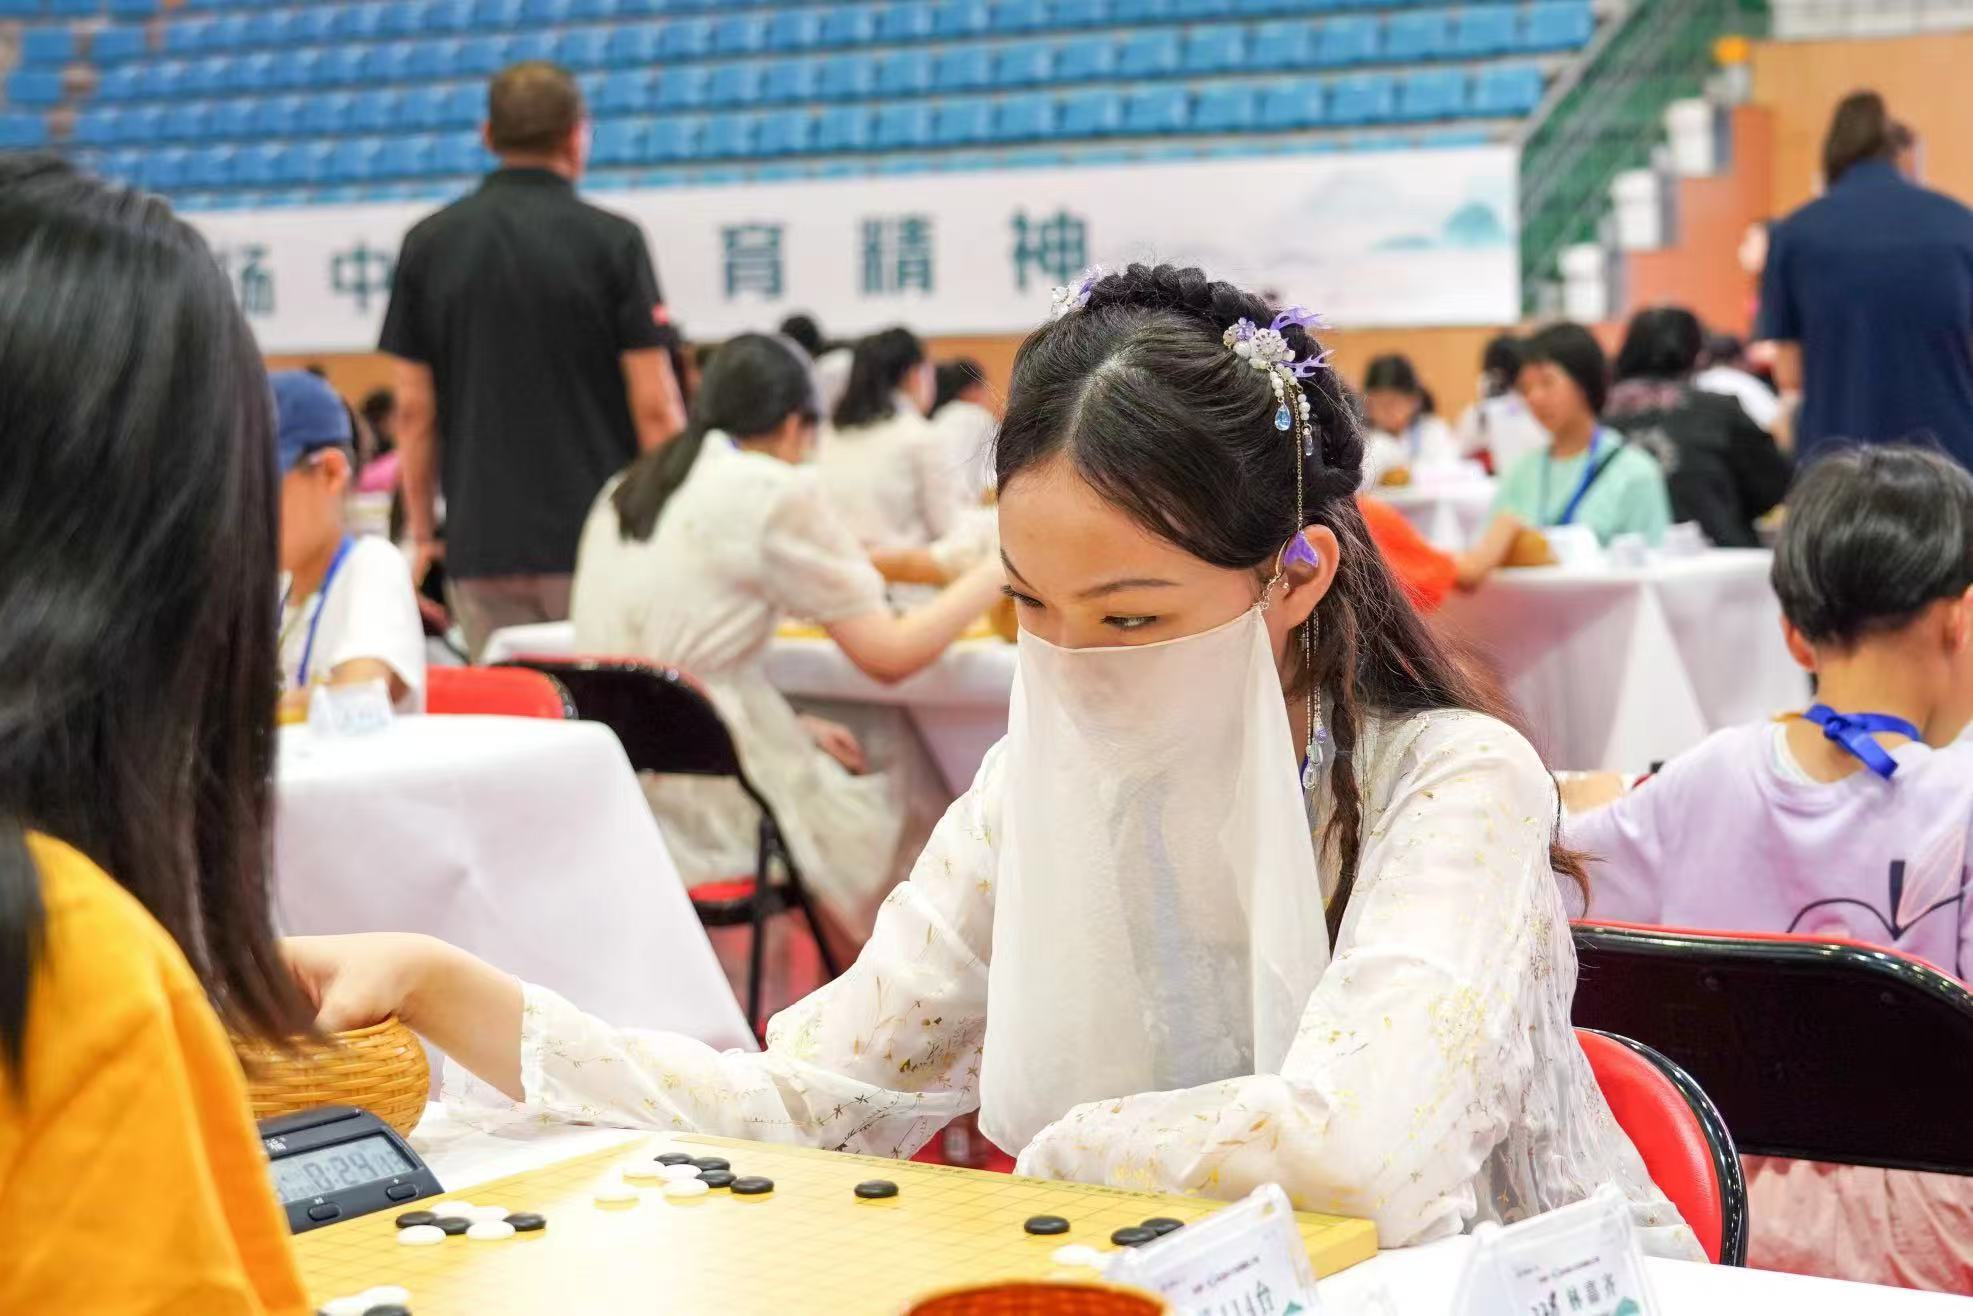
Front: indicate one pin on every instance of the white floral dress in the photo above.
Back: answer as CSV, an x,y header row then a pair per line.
x,y
1435,1081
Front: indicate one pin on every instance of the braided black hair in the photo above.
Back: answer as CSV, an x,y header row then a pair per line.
x,y
1170,426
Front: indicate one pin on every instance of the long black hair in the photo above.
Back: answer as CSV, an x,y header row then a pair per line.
x,y
1500,364
877,369
1874,535
1166,423
754,384
1395,373
137,580
1861,129
953,378
1662,342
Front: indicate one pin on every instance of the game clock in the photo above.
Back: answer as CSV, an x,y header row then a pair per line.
x,y
337,1163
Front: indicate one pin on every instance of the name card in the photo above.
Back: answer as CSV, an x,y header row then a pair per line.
x,y
1247,1260
1581,1260
341,711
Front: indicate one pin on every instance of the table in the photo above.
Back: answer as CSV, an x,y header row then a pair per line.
x,y
527,842
1619,668
1450,516
1404,1281
959,703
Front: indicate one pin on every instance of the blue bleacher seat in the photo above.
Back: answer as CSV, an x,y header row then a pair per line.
x,y
313,26
1090,114
482,56
685,38
1024,118
1363,98
496,15
847,25
1281,45
541,46
1140,11
843,128
905,21
122,83
118,43
269,30
228,32
213,75
352,160
729,136
682,88
276,115
845,77
786,132
465,106
546,12
34,87
133,8
619,141
162,171
102,127
143,125
733,84
901,127
1412,37
445,15
1157,110
254,166
423,107
1432,94
234,118
792,29
1079,13
405,157
1201,9
378,111
1025,64
1085,59
963,121
677,139
590,11
1484,30
326,114
72,8
583,48
429,61
904,73
784,82
1558,25
405,18
1223,109
1298,104
21,131
1018,16
962,68
1350,40
1514,89
1149,54
739,34
461,153
633,45
960,18
1219,48
54,44
20,8
211,167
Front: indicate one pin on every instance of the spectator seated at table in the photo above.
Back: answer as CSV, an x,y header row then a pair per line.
x,y
348,611
1851,820
1426,572
1405,433
892,477
961,413
1722,471
1588,474
137,691
693,557
1497,427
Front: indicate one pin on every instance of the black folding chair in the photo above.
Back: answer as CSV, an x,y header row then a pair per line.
x,y
1814,1048
667,724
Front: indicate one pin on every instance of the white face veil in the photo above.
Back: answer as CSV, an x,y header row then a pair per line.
x,y
1158,919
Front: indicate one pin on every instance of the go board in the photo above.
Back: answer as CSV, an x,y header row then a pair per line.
x,y
810,1246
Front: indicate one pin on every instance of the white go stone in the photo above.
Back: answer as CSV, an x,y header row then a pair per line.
x,y
490,1231
441,1209
488,1213
679,1173
648,1170
384,1295
686,1189
615,1194
418,1236
345,1307
1078,1254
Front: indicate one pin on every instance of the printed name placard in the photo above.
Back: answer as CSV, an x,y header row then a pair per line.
x,y
1247,1260
340,711
1581,1260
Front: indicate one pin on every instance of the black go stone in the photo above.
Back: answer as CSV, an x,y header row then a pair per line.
x,y
1046,1224
453,1226
712,1163
717,1178
410,1218
1133,1236
752,1185
526,1222
1162,1225
872,1189
673,1158
389,1309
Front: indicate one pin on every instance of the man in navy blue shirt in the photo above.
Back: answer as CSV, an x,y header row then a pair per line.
x,y
1869,290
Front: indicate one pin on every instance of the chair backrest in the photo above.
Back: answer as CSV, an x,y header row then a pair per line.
x,y
499,691
661,715
1680,1135
1817,1048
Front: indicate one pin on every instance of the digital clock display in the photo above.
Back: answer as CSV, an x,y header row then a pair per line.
x,y
329,1170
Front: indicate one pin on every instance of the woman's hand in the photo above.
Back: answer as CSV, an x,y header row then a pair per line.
x,y
837,741
357,981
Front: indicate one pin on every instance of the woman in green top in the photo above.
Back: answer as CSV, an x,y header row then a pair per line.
x,y
1588,475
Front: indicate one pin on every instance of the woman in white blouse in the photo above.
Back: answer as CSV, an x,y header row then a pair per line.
x,y
1406,433
693,557
1256,889
885,468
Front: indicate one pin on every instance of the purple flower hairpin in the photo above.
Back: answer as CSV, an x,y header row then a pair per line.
x,y
1309,322
1074,296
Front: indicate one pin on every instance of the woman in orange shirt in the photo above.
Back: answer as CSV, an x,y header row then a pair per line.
x,y
137,688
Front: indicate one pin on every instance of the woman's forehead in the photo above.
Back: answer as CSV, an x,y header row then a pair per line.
x,y
1063,536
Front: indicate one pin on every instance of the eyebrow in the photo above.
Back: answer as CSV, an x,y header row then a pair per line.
x,y
1097,591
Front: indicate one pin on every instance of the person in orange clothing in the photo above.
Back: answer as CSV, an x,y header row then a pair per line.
x,y
1428,573
137,688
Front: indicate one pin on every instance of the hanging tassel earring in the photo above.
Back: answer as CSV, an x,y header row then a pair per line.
x,y
1318,735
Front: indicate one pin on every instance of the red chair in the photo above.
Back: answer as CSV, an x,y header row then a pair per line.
x,y
1681,1137
667,724
504,692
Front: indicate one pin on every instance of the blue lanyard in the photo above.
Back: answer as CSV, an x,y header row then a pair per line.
x,y
321,602
1853,732
1590,469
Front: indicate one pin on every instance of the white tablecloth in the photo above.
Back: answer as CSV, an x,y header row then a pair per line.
x,y
1450,516
1408,1282
527,842
959,703
1620,668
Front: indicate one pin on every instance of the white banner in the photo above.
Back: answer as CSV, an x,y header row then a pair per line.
x,y
1414,237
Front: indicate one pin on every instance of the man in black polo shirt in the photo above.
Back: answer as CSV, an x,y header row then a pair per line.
x,y
528,331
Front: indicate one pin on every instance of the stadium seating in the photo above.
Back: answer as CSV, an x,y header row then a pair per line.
x,y
219,96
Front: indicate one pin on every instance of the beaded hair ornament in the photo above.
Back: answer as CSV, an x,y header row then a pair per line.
x,y
1265,350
